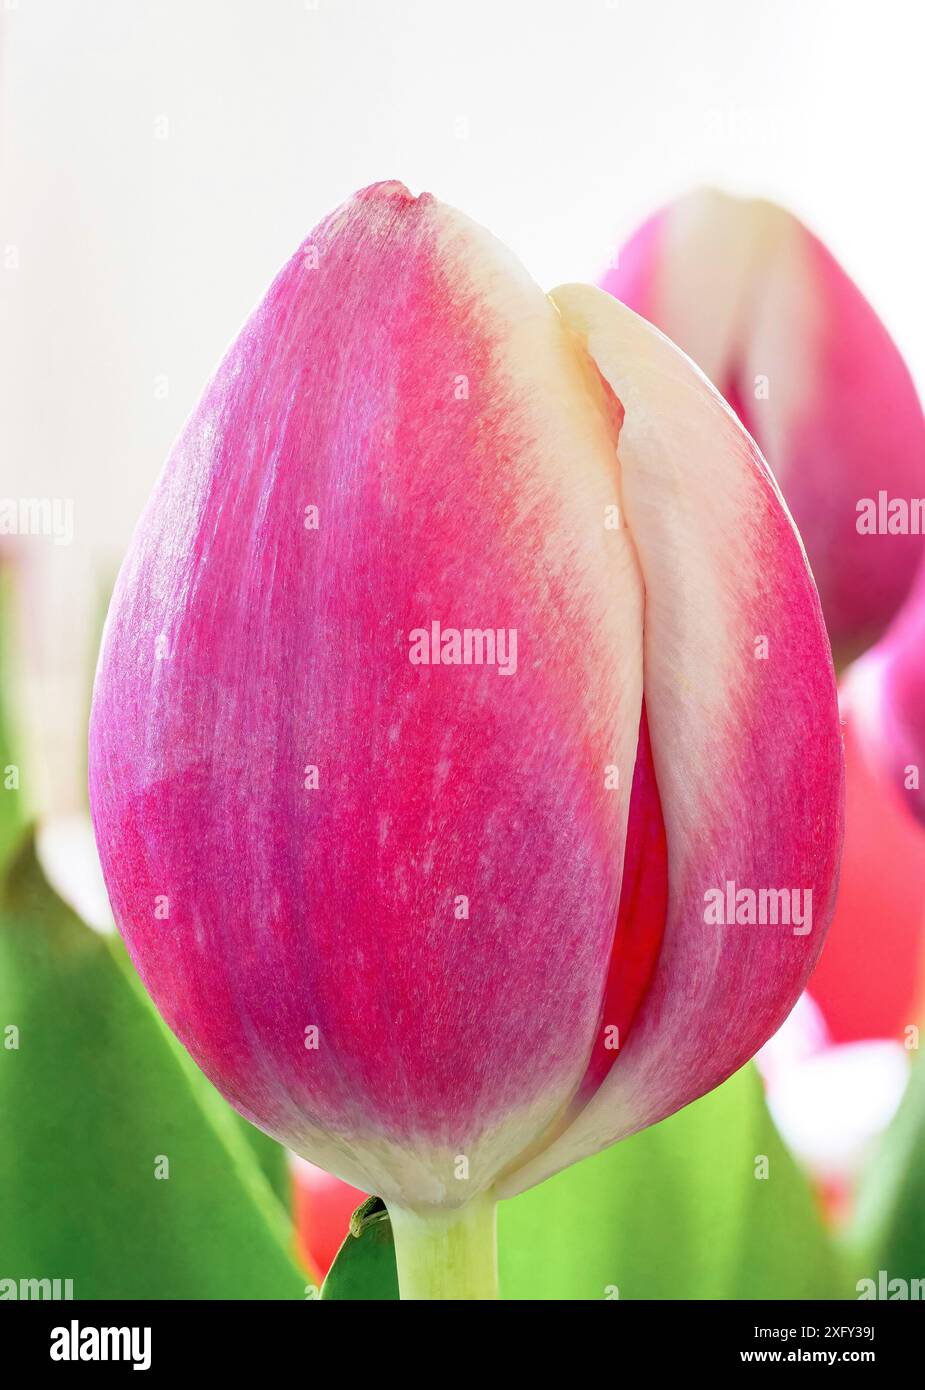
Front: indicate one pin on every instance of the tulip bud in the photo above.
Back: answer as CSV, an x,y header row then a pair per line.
x,y
763,308
464,710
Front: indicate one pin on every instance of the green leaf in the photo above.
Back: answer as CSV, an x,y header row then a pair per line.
x,y
271,1158
676,1212
365,1264
95,1094
889,1230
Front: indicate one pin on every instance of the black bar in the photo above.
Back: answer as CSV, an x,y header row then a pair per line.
x,y
296,1339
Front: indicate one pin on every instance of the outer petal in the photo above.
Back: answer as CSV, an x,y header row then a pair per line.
x,y
747,751
406,377
767,313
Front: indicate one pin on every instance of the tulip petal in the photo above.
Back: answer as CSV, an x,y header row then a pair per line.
x,y
689,270
885,695
746,750
768,314
441,906
640,921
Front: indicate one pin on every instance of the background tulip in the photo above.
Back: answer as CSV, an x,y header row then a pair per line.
x,y
776,324
886,692
870,980
401,912
837,1070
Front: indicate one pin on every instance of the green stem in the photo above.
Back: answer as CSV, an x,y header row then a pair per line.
x,y
447,1254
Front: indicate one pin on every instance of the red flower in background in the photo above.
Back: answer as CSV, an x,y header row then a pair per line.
x,y
868,981
322,1208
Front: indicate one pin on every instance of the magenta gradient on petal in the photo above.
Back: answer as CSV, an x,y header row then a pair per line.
x,y
886,693
860,431
287,648
633,278
788,339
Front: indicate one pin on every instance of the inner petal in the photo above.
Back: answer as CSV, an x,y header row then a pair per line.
x,y
640,918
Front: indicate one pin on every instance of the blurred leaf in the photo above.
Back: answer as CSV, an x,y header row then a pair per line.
x,y
365,1264
676,1212
889,1230
95,1092
271,1156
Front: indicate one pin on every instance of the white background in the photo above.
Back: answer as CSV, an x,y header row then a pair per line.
x,y
558,125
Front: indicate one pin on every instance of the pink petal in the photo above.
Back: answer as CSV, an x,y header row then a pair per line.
x,y
283,648
885,692
789,340
747,752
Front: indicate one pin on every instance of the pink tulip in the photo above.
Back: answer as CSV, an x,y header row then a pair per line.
x,y
886,692
776,324
396,897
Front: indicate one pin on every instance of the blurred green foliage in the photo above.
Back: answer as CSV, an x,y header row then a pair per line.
x,y
889,1230
121,1167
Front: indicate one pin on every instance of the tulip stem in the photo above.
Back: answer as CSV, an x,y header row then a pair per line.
x,y
447,1254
